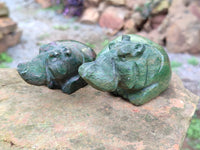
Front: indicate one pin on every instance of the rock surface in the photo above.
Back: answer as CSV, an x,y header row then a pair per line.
x,y
183,35
162,6
33,117
44,3
181,27
7,25
90,15
91,2
130,27
154,35
9,34
195,9
113,17
13,38
117,2
4,12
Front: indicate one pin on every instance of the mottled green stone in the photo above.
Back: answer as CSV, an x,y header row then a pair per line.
x,y
57,66
130,66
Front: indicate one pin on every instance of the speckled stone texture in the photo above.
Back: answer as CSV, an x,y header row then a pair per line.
x,y
35,117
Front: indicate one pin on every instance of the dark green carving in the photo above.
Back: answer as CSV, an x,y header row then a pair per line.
x,y
130,66
57,65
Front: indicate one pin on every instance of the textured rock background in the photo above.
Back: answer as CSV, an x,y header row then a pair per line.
x,y
9,33
40,118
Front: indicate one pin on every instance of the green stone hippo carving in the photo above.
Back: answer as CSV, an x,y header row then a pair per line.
x,y
57,66
132,67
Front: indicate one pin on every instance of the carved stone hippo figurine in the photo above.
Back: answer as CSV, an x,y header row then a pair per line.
x,y
130,66
57,65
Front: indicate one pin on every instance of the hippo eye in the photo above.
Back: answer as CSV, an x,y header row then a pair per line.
x,y
54,54
67,52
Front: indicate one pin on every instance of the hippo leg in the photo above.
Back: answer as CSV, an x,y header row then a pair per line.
x,y
49,81
140,97
73,84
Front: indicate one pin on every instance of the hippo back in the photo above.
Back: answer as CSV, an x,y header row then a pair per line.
x,y
81,50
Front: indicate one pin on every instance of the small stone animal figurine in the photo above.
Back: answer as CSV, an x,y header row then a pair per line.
x,y
132,67
57,66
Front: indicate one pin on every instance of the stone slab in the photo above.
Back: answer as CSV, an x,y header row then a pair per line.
x,y
7,25
9,40
35,117
3,46
3,10
13,38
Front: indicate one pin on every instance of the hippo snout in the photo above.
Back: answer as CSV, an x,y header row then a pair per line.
x,y
31,74
86,70
99,76
22,69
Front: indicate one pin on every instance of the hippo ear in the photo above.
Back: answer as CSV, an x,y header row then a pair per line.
x,y
47,47
134,50
88,54
111,45
126,38
43,48
138,50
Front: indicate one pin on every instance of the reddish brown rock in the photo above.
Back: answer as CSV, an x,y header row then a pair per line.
x,y
9,40
157,20
1,36
175,11
154,35
102,6
147,26
130,4
35,117
90,16
89,3
188,2
195,9
7,25
44,3
138,19
3,46
176,8
130,26
162,7
111,32
113,17
13,38
183,35
117,2
182,28
4,12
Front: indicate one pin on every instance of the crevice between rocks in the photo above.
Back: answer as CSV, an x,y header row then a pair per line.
x,y
11,143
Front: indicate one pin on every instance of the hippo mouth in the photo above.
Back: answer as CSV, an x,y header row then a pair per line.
x,y
102,77
32,74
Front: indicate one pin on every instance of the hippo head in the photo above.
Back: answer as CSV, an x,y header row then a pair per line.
x,y
59,59
112,65
63,62
101,74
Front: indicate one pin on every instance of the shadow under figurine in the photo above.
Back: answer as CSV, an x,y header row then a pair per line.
x,y
130,66
57,66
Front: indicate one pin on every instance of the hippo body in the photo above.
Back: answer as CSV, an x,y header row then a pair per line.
x,y
57,66
130,66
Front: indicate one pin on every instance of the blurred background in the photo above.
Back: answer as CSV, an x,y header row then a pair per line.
x,y
174,24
